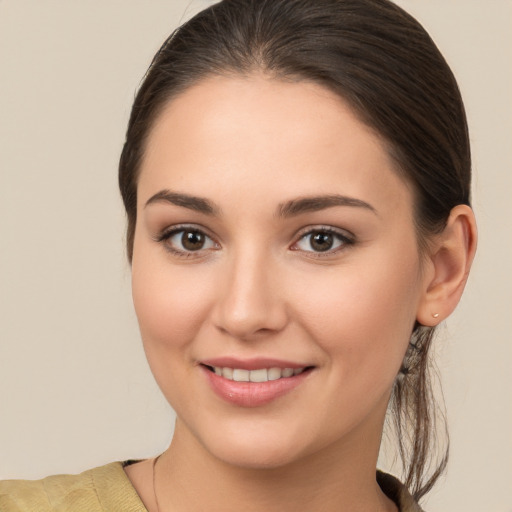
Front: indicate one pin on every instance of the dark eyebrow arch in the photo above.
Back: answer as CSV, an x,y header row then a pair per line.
x,y
198,204
316,203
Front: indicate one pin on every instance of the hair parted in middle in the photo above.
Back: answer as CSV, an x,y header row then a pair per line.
x,y
379,60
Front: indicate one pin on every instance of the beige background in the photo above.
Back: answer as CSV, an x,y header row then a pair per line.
x,y
75,390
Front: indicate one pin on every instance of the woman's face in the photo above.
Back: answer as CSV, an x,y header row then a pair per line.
x,y
273,234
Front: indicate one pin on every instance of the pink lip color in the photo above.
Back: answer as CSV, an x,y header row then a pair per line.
x,y
251,364
252,394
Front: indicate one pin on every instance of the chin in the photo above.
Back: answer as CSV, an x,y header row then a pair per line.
x,y
261,447
255,457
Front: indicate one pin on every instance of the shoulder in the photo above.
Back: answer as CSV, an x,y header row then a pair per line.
x,y
103,488
397,492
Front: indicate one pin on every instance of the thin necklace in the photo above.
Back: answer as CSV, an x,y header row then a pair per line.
x,y
154,486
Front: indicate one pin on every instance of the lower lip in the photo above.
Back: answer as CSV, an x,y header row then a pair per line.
x,y
252,394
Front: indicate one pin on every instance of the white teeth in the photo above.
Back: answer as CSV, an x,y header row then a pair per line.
x,y
259,375
287,372
274,373
227,372
240,375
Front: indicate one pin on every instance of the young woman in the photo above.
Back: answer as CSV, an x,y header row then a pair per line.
x,y
296,177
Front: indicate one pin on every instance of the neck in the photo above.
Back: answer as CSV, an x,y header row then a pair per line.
x,y
339,478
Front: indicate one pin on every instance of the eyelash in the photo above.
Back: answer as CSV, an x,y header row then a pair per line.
x,y
343,238
167,234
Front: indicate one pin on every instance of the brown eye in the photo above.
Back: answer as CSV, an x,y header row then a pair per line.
x,y
184,241
321,241
192,240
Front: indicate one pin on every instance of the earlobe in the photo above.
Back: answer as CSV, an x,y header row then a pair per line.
x,y
450,261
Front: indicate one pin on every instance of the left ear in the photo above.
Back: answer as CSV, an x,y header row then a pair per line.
x,y
449,261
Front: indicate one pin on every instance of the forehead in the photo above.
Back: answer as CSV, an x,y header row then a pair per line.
x,y
285,137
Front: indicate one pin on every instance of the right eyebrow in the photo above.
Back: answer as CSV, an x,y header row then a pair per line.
x,y
317,203
198,204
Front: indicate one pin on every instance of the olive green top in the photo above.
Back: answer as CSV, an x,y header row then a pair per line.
x,y
108,489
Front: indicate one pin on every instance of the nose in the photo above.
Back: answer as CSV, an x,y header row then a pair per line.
x,y
250,302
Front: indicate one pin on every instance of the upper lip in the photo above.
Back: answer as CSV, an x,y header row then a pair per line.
x,y
255,363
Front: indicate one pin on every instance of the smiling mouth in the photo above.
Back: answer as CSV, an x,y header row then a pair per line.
x,y
257,375
257,383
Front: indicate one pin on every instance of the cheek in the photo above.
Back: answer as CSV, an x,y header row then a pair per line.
x,y
362,314
171,306
170,301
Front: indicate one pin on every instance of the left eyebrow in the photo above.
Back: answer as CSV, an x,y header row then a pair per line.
x,y
317,203
199,204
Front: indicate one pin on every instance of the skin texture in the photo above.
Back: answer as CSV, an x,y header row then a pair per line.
x,y
257,288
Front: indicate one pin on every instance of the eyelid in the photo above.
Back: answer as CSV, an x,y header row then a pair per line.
x,y
176,228
346,237
170,231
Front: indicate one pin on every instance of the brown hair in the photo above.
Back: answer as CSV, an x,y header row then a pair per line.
x,y
382,62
